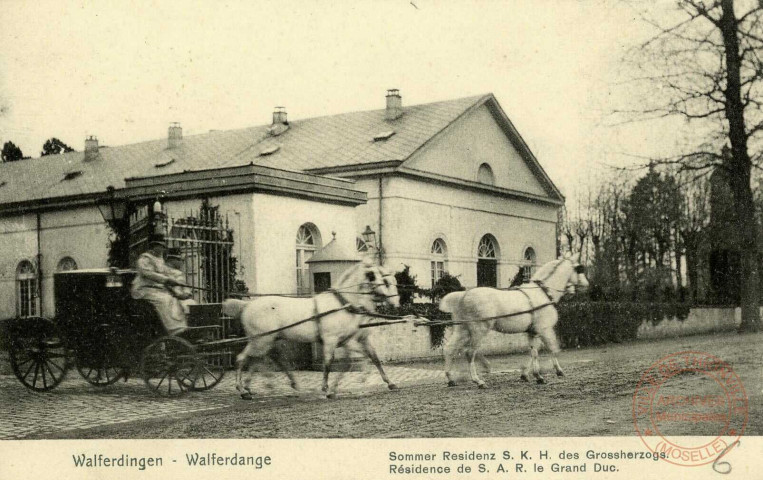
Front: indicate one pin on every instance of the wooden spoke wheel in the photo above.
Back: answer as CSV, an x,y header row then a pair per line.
x,y
101,375
38,354
206,373
167,366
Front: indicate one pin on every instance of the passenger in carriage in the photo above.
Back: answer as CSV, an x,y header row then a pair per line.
x,y
183,294
154,283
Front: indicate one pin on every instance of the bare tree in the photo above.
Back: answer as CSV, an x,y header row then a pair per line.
x,y
692,227
705,65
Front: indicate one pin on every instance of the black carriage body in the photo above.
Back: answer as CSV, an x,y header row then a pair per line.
x,y
100,321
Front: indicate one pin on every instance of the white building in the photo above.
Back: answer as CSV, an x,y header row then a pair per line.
x,y
447,186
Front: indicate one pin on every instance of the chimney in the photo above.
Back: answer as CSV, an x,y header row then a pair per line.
x,y
174,135
279,116
394,105
280,124
91,148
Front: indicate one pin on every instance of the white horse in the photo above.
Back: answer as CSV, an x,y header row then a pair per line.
x,y
332,318
528,308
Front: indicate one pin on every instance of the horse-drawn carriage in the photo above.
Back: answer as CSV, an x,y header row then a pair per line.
x,y
105,334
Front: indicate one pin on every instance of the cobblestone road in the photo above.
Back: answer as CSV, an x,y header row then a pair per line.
x,y
75,404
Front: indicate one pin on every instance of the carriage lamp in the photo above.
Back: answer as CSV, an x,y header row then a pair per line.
x,y
114,209
369,236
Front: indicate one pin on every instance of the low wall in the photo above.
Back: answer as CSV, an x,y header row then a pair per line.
x,y
403,342
700,320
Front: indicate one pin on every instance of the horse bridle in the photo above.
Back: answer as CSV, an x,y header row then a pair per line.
x,y
546,289
386,284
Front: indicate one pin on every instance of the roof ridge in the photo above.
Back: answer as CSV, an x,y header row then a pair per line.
x,y
265,125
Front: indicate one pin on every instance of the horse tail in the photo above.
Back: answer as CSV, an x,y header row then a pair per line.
x,y
233,307
450,302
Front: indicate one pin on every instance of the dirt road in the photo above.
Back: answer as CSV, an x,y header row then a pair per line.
x,y
595,398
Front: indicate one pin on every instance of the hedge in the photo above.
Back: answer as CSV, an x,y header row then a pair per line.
x,y
581,324
584,324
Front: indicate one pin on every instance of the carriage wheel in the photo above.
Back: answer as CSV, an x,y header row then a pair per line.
x,y
206,373
167,365
38,356
102,375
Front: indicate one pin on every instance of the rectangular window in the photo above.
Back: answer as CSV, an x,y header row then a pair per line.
x,y
437,269
303,271
527,273
27,297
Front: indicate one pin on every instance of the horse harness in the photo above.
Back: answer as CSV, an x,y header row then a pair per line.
x,y
539,284
345,305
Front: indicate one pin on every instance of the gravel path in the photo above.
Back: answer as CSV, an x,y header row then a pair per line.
x,y
595,398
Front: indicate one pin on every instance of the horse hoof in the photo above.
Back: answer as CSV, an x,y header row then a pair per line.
x,y
294,387
246,396
324,389
451,383
560,373
481,386
331,396
524,378
392,386
541,381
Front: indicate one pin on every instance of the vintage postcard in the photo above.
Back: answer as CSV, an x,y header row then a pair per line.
x,y
398,239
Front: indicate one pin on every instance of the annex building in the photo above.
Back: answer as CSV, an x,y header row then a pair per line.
x,y
446,187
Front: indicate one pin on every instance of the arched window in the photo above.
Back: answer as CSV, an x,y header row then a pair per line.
x,y
487,262
485,175
529,265
26,289
66,264
360,245
308,241
487,248
439,257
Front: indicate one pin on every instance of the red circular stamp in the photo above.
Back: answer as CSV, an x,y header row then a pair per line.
x,y
689,407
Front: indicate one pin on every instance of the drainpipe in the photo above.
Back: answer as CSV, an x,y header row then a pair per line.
x,y
381,224
39,264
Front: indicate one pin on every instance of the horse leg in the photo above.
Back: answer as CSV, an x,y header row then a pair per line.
x,y
483,360
534,346
549,338
242,362
275,356
328,359
370,352
472,352
453,347
525,368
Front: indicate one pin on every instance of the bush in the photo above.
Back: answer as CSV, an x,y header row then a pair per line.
x,y
445,285
406,285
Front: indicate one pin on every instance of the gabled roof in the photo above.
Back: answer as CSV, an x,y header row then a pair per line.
x,y
316,145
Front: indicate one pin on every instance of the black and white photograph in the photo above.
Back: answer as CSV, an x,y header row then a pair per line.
x,y
381,239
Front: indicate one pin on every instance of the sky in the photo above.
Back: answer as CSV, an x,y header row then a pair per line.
x,y
124,70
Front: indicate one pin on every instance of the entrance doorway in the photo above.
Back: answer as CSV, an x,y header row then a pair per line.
x,y
487,262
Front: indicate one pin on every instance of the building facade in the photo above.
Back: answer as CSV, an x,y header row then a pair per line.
x,y
447,187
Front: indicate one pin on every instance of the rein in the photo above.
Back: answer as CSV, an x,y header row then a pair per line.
x,y
484,319
317,316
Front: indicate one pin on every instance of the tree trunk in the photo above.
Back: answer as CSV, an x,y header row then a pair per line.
x,y
739,169
679,265
691,248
